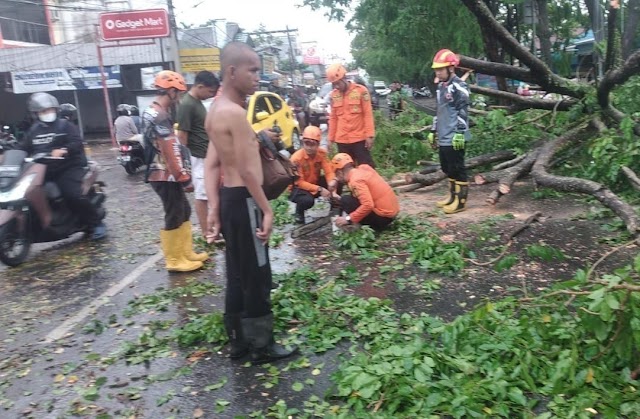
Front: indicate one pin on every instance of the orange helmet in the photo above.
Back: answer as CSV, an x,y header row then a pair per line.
x,y
445,58
312,133
336,72
167,79
340,160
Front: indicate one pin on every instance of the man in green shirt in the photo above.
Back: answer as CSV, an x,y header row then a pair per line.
x,y
191,132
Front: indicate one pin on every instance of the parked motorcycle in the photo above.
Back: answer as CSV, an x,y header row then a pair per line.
x,y
32,210
7,140
131,154
423,92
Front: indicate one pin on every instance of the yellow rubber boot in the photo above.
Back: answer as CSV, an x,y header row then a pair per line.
x,y
187,235
459,198
449,199
173,249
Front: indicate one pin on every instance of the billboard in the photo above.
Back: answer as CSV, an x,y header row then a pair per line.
x,y
80,78
200,59
136,24
311,53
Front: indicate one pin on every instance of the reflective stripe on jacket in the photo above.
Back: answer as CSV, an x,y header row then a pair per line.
x,y
453,107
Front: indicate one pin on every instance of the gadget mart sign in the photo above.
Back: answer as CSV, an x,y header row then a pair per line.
x,y
137,24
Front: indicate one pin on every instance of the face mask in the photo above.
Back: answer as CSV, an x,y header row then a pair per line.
x,y
47,117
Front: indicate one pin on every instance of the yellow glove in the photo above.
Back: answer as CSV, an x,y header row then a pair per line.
x,y
431,138
458,142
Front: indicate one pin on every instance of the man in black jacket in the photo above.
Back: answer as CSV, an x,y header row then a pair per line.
x,y
60,138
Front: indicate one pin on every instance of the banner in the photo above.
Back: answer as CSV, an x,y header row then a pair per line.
x,y
200,59
311,53
81,78
148,77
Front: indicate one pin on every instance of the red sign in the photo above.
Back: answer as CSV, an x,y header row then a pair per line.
x,y
136,24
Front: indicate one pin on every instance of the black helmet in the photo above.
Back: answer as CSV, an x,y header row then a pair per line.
x,y
122,109
134,110
68,111
41,101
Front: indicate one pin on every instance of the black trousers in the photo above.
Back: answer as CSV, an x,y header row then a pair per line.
x,y
358,153
377,222
69,180
249,277
452,163
304,199
175,203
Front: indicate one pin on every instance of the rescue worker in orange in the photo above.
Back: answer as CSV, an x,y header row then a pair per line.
x,y
311,161
372,201
351,119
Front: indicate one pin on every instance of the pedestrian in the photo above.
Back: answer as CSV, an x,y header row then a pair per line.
x,y
60,138
396,100
316,176
240,210
124,127
451,129
191,133
372,201
351,120
167,175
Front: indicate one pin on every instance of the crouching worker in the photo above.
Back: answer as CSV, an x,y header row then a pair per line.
x,y
372,201
311,161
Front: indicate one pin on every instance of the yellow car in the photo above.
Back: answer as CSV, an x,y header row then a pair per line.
x,y
266,109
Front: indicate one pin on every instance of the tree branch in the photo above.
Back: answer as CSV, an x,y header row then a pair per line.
x,y
611,38
524,102
497,69
617,76
569,184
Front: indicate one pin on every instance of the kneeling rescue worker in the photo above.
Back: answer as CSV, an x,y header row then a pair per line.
x,y
372,201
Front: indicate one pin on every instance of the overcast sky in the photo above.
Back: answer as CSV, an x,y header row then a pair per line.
x,y
332,37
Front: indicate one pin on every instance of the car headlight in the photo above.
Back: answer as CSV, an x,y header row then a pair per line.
x,y
17,192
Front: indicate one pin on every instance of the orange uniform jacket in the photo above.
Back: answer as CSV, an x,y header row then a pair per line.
x,y
373,192
309,169
351,118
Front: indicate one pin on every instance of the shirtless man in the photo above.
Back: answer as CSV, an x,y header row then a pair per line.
x,y
240,210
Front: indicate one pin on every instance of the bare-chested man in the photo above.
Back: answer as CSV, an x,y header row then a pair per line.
x,y
240,210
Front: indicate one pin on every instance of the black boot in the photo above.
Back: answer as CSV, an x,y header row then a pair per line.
x,y
233,326
299,217
259,333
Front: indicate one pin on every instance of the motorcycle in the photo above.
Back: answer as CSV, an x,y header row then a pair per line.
x,y
131,154
423,92
32,210
7,140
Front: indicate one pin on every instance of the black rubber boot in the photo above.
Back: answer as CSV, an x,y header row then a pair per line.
x,y
238,345
258,331
299,217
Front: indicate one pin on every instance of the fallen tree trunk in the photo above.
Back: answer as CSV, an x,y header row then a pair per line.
x,y
510,163
512,174
430,179
633,178
570,184
429,169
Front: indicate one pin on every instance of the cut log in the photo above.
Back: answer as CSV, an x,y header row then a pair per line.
x,y
410,188
435,177
429,169
570,184
398,182
509,175
427,163
633,178
509,163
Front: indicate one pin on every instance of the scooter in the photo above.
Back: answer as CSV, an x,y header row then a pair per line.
x,y
423,92
32,210
131,154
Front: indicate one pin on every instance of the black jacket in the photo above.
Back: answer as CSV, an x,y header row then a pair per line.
x,y
44,137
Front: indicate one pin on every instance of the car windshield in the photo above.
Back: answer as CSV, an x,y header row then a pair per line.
x,y
325,90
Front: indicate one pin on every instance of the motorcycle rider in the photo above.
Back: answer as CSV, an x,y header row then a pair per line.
x,y
124,127
60,138
135,115
69,112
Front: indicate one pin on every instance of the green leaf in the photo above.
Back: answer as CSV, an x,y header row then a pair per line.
x,y
516,396
297,386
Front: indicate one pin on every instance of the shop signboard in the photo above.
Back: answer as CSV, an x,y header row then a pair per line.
x,y
134,24
80,78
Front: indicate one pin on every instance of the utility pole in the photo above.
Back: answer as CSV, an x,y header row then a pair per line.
x,y
174,52
285,31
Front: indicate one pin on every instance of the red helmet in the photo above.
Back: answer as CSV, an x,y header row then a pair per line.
x,y
445,58
167,79
312,133
340,160
336,72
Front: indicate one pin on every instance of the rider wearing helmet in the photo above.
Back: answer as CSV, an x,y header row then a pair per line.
x,y
68,112
124,127
351,119
451,129
310,161
372,201
135,115
60,138
167,173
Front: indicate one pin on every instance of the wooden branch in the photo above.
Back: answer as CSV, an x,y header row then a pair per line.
x,y
633,178
429,169
398,182
430,179
611,38
427,163
510,163
525,102
598,124
570,184
478,112
530,121
497,69
411,187
617,76
511,174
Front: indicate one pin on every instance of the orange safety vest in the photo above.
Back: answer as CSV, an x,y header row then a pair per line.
x,y
351,118
309,169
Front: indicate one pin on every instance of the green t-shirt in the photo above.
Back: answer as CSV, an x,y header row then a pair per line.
x,y
190,118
